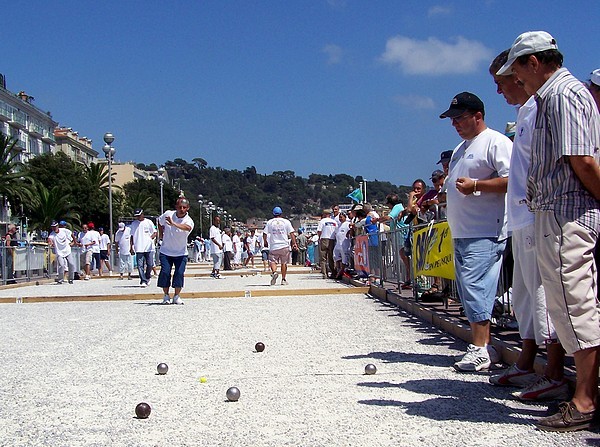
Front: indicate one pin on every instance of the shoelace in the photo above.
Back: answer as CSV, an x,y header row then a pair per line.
x,y
566,409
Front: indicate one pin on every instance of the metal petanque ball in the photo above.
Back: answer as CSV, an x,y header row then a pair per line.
x,y
142,410
233,394
260,347
370,369
162,368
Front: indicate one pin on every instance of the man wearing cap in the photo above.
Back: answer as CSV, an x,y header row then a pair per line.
x,y
123,250
325,230
85,241
445,158
143,234
216,246
528,298
227,249
276,237
477,180
593,86
174,228
563,190
104,250
95,247
61,239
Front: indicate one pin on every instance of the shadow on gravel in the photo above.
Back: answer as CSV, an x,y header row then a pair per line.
x,y
436,337
452,404
405,357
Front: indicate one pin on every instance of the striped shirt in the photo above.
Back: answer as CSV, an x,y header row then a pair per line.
x,y
567,123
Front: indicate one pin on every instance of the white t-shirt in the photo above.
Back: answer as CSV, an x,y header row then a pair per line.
x,y
237,243
215,234
85,238
278,230
95,236
123,238
174,240
141,233
104,241
341,232
479,215
327,227
62,241
519,215
227,242
251,241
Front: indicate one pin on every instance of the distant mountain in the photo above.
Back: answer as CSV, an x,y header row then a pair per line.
x,y
247,193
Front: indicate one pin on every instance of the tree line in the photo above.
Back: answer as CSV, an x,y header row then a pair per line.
x,y
53,187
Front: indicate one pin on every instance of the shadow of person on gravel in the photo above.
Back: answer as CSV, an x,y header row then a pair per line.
x,y
457,400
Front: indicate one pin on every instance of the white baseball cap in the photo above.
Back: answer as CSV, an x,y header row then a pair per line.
x,y
595,77
527,43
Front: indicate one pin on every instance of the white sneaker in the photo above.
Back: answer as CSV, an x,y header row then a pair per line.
x,y
144,284
476,359
512,376
544,389
166,299
274,277
284,282
177,300
87,277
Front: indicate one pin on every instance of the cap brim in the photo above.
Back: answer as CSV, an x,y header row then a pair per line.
x,y
452,113
506,69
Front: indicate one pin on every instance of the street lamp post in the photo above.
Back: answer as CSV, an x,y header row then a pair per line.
x,y
161,179
220,212
109,152
210,207
200,202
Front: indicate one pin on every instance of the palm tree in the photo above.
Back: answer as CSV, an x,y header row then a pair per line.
x,y
14,184
48,205
97,175
141,199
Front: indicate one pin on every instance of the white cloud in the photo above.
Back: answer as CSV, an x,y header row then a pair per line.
x,y
334,54
416,102
434,57
439,10
337,4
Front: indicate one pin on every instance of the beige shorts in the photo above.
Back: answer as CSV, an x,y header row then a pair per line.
x,y
88,257
281,255
565,254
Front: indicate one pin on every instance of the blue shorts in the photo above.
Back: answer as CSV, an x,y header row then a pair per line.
x,y
166,265
477,263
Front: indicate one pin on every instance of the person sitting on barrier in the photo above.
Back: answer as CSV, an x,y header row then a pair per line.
x,y
412,210
428,202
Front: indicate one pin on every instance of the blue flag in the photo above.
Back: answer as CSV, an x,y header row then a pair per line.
x,y
356,195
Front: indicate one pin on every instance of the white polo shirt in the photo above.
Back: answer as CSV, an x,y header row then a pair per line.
x,y
481,215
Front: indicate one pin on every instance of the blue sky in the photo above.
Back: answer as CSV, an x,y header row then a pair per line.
x,y
319,86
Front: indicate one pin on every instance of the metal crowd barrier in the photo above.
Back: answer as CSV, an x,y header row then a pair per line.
x,y
31,261
382,258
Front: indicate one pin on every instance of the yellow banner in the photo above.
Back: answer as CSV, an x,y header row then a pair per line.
x,y
433,251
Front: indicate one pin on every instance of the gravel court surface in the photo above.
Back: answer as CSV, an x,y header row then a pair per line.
x,y
73,373
242,281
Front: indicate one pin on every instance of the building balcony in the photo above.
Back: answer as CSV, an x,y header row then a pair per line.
x,y
18,120
5,112
47,137
36,130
